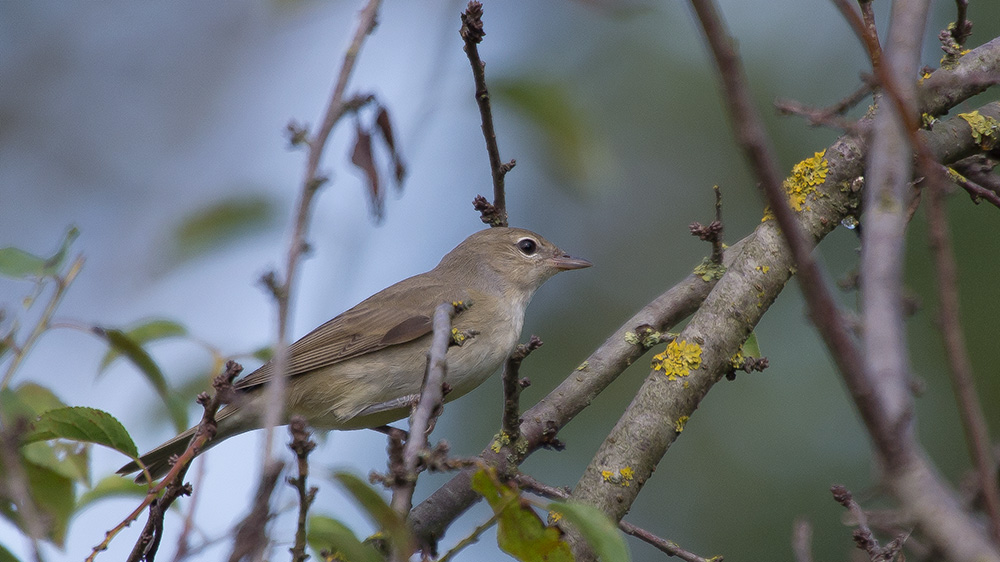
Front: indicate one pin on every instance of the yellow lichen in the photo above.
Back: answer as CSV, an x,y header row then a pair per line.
x,y
583,365
678,359
763,268
736,361
458,337
680,423
806,175
500,441
621,477
985,129
768,214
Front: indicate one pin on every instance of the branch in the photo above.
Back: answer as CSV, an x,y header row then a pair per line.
x,y
540,423
950,141
660,404
311,183
301,445
428,407
973,421
173,483
493,214
512,385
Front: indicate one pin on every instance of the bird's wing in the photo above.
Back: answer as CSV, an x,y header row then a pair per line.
x,y
378,322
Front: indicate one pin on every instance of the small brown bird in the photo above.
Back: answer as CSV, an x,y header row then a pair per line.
x,y
364,368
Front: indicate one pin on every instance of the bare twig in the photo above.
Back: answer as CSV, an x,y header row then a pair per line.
x,y
311,183
427,409
172,485
62,284
871,31
512,386
863,536
962,380
962,28
493,214
472,538
975,191
818,117
713,231
301,445
183,540
250,540
802,534
753,140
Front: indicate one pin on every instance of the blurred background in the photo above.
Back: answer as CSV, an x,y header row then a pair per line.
x,y
157,129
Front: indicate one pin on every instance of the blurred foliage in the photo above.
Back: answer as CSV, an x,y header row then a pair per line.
x,y
216,226
576,153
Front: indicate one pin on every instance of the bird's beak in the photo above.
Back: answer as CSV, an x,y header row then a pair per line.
x,y
565,262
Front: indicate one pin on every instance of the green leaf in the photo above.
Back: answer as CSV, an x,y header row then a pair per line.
x,y
52,498
17,263
222,223
126,346
520,531
144,333
326,533
82,424
71,460
53,264
26,401
596,527
263,353
384,517
113,486
750,347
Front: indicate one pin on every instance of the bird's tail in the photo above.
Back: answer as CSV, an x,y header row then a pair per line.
x,y
158,461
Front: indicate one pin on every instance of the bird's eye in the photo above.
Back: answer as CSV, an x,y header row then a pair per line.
x,y
527,246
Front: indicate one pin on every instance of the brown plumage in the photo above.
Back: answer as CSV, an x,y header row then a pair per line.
x,y
362,368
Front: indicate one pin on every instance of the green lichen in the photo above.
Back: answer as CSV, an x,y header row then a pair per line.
x,y
709,270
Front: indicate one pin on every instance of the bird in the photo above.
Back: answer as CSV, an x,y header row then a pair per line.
x,y
364,368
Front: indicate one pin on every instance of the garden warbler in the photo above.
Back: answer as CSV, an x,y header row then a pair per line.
x,y
364,368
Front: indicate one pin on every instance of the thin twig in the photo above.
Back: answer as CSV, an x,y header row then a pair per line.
x,y
172,485
962,380
962,28
873,44
512,386
301,445
250,540
976,191
472,33
311,183
428,407
183,542
802,534
753,140
62,284
472,538
863,536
